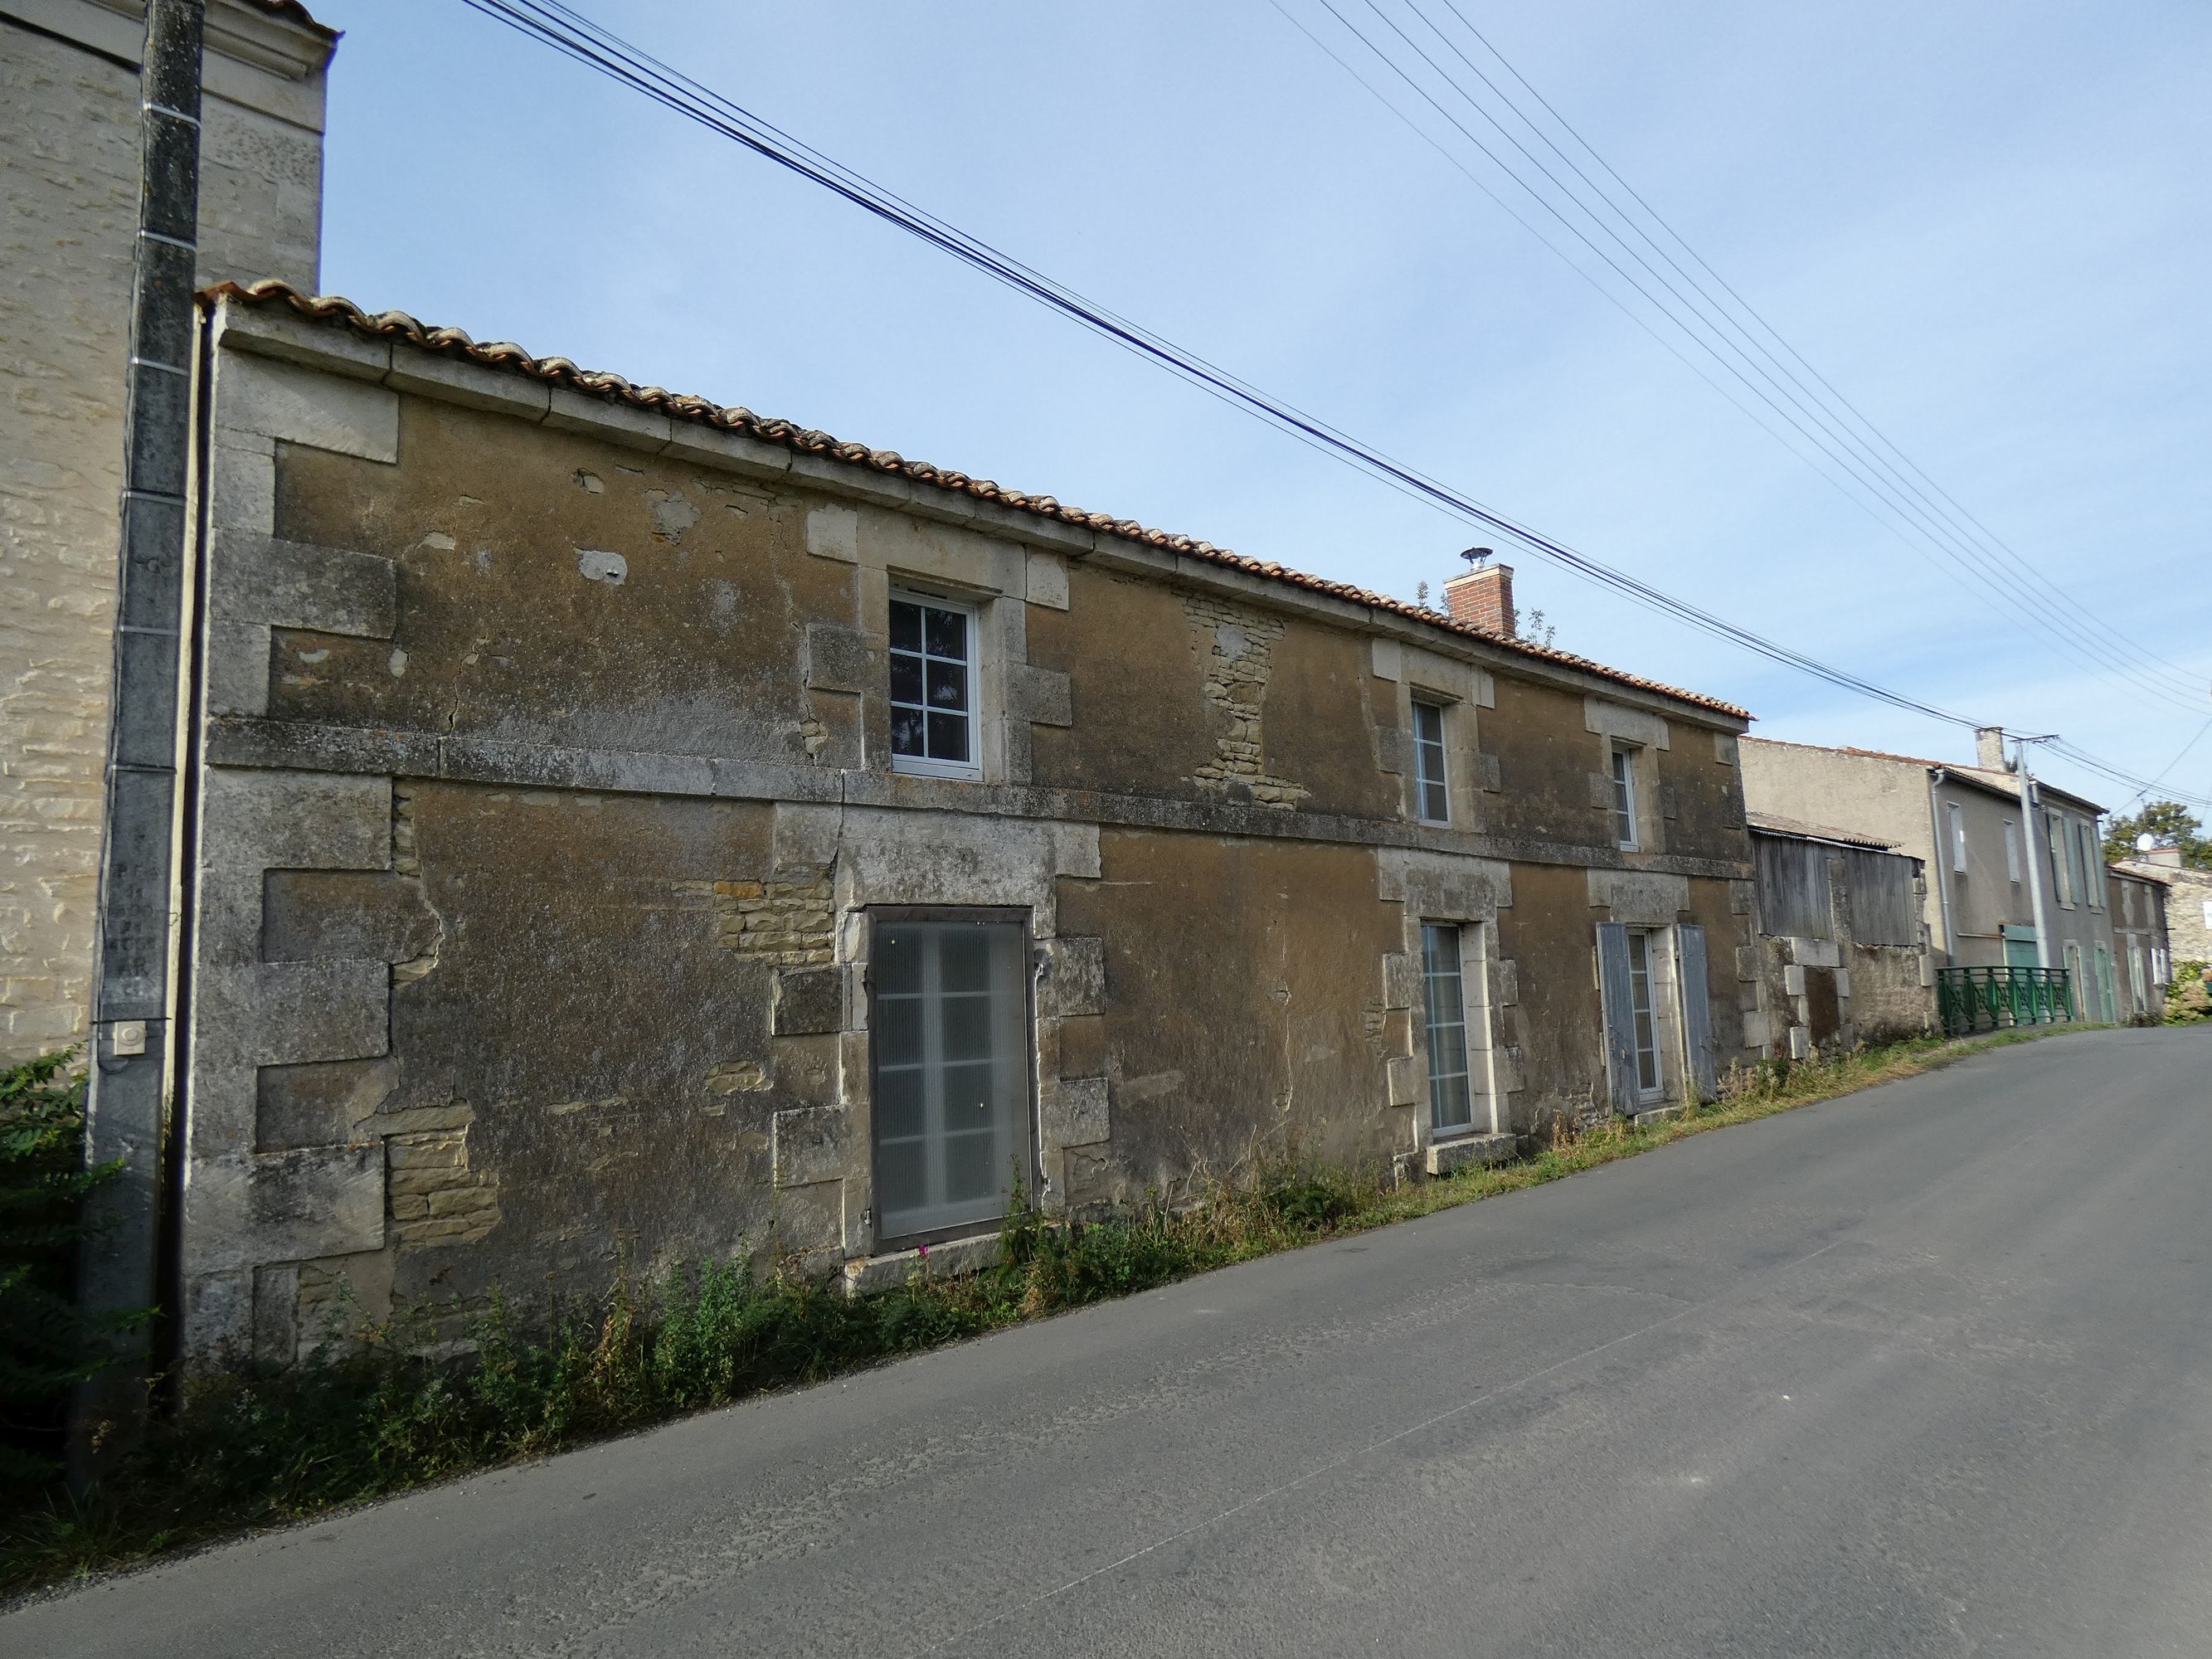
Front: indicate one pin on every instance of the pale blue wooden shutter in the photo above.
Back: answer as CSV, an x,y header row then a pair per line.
x,y
1618,1002
1696,1010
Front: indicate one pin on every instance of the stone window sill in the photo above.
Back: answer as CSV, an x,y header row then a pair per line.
x,y
1445,1155
951,1259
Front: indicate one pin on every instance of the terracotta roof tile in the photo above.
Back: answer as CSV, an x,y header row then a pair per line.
x,y
293,12
560,371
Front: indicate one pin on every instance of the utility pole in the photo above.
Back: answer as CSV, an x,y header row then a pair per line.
x,y
2031,810
126,1113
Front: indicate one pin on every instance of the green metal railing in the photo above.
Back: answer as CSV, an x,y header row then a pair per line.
x,y
1969,999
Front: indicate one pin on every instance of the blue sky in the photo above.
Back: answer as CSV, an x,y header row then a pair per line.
x,y
1989,226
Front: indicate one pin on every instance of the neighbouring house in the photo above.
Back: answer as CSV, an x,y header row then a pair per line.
x,y
1842,954
2140,937
629,831
2188,902
68,157
1984,856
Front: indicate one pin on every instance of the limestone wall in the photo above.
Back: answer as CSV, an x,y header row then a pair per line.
x,y
549,811
1828,988
69,185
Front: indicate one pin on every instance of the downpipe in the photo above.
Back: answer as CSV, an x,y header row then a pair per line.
x,y
132,1016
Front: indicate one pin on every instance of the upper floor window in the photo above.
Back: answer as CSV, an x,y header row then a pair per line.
x,y
1624,796
1429,763
2061,871
932,664
2012,853
1958,822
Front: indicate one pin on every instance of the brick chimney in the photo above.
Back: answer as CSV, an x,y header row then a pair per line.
x,y
1988,749
1483,599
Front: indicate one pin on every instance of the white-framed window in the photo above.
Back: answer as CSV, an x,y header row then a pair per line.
x,y
1443,990
1957,818
2061,877
1651,1082
2012,853
933,687
1624,796
949,1040
1429,762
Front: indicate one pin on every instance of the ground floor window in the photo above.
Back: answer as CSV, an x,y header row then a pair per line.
x,y
948,1024
1650,1083
1657,999
1451,1091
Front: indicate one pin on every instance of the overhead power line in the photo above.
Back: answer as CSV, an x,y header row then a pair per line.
x,y
1708,323
1730,342
2143,786
1748,310
577,37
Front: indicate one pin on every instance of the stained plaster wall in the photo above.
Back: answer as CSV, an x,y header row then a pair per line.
x,y
68,178
559,958
1806,995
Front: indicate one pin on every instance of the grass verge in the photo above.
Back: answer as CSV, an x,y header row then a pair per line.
x,y
258,1449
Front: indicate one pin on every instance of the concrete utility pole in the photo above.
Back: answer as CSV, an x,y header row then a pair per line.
x,y
2031,809
126,1112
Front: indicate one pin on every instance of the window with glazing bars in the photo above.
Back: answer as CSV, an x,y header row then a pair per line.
x,y
948,1027
1429,763
933,687
1451,1092
1624,796
1645,1035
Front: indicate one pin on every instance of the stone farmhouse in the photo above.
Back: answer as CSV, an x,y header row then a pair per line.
x,y
625,830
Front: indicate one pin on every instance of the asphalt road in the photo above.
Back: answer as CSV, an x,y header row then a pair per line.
x,y
1921,1371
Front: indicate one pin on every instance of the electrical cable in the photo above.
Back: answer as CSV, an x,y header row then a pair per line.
x,y
567,31
577,37
2018,559
1963,560
1992,565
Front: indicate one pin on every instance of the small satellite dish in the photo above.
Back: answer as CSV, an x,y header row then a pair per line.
x,y
2146,843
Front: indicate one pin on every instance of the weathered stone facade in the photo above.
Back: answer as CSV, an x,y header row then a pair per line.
x,y
69,173
1841,956
2186,912
1982,854
549,823
2143,939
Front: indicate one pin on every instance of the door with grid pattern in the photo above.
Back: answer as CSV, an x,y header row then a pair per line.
x,y
949,1026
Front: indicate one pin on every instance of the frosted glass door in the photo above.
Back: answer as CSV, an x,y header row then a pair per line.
x,y
950,1026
